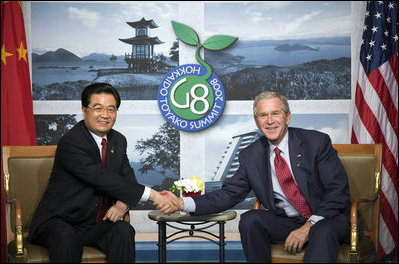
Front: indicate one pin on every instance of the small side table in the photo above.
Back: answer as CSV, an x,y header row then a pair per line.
x,y
197,223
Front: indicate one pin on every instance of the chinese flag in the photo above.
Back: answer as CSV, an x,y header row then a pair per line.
x,y
17,123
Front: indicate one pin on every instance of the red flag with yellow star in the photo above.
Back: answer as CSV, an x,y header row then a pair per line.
x,y
17,123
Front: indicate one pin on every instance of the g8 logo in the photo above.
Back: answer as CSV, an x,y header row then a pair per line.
x,y
188,101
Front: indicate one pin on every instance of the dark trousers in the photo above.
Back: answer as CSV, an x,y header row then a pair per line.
x,y
260,228
65,242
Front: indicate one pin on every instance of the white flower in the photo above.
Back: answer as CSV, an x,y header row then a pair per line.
x,y
193,184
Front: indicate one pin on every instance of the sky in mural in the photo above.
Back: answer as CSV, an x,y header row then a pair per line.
x,y
279,19
85,28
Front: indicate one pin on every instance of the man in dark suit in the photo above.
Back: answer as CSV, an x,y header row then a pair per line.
x,y
299,179
91,187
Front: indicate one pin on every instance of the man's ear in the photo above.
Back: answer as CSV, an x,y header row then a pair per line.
x,y
84,112
256,122
288,118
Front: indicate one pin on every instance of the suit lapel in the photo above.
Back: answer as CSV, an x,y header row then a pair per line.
x,y
93,148
297,159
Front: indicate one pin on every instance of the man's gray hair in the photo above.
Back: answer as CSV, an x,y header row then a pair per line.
x,y
269,95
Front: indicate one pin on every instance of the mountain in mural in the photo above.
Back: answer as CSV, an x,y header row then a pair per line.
x,y
60,55
101,57
63,55
294,47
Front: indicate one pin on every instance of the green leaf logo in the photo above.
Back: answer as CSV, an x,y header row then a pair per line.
x,y
190,37
219,42
185,33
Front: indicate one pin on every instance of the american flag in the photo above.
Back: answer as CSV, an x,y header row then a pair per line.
x,y
375,117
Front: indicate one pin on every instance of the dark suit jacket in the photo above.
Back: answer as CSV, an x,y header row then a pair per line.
x,y
317,169
78,178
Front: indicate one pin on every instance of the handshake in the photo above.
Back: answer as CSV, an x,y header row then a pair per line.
x,y
166,201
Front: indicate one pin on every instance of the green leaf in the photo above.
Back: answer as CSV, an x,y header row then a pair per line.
x,y
219,42
185,33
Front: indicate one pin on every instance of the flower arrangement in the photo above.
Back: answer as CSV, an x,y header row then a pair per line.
x,y
188,185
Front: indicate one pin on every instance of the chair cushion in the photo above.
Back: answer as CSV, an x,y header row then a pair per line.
x,y
366,245
279,253
39,254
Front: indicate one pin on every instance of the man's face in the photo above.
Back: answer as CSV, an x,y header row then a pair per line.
x,y
271,119
100,115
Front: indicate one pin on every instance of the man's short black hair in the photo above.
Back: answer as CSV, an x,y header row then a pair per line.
x,y
97,88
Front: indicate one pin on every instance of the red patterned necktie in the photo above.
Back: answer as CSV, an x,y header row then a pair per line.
x,y
102,209
289,187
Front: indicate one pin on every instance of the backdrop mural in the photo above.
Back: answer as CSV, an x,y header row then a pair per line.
x,y
78,43
301,50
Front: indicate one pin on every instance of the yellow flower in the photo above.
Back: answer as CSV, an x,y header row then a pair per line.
x,y
197,182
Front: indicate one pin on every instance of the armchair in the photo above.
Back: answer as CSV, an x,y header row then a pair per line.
x,y
362,163
26,171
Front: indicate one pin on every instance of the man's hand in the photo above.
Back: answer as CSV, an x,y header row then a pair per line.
x,y
116,212
165,201
177,201
297,238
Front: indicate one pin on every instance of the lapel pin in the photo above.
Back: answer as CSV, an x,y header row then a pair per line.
x,y
299,155
298,164
112,150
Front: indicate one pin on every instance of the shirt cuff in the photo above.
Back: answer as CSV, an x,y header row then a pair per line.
x,y
146,194
189,204
315,218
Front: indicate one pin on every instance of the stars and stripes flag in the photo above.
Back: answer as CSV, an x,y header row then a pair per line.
x,y
17,123
375,117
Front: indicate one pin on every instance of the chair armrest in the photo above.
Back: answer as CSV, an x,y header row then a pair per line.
x,y
257,204
126,218
354,220
354,210
18,226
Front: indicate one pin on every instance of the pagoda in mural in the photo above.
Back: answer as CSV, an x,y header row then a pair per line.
x,y
142,57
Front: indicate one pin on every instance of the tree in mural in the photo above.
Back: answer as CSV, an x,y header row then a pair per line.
x,y
174,51
162,149
162,153
50,128
165,185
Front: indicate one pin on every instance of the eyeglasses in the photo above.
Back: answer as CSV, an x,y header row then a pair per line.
x,y
100,109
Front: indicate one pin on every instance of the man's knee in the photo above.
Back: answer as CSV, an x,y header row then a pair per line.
x,y
64,243
124,228
68,235
322,232
323,237
62,234
250,219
